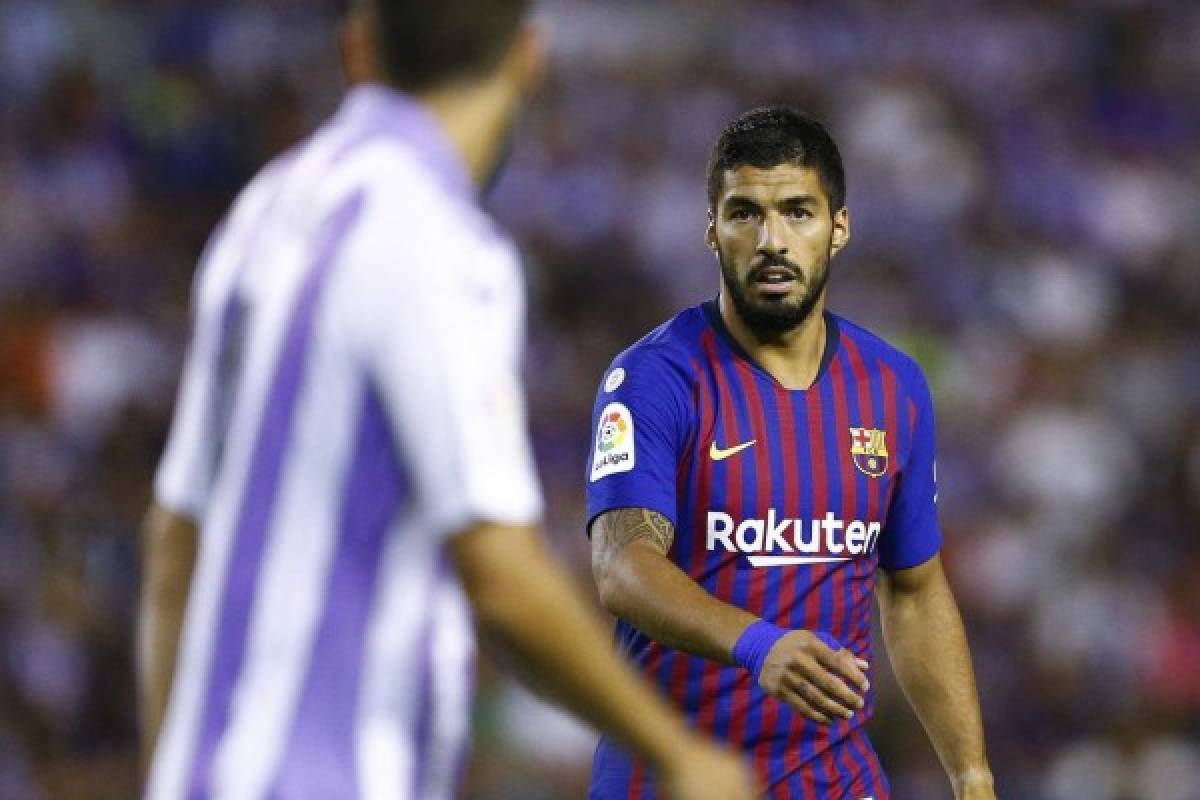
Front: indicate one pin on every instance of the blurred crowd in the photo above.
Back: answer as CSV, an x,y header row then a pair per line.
x,y
1025,201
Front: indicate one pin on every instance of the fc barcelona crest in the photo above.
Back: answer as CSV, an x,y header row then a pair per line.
x,y
868,447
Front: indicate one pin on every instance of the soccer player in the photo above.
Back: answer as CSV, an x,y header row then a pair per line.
x,y
761,467
348,479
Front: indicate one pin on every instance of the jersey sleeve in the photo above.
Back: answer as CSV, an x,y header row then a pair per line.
x,y
183,480
445,352
641,426
912,535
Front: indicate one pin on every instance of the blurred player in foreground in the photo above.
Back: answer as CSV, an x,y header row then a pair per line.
x,y
757,458
349,455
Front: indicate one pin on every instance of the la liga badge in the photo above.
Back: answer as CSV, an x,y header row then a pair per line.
x,y
614,442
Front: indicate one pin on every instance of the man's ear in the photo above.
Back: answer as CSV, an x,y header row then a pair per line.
x,y
710,232
841,230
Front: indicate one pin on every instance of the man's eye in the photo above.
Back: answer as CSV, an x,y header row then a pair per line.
x,y
799,213
740,214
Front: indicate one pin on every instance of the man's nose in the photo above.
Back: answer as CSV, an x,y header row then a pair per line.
x,y
770,236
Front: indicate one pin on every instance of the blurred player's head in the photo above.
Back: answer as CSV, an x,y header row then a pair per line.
x,y
777,215
425,45
474,61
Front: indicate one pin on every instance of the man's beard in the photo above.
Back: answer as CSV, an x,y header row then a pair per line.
x,y
773,316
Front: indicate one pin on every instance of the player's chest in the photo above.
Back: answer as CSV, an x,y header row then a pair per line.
x,y
794,474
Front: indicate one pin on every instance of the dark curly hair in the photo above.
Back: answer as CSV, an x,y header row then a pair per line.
x,y
768,137
424,43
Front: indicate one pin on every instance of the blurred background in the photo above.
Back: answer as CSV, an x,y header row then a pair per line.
x,y
1023,180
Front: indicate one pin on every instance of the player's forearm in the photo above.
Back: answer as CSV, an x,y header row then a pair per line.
x,y
928,650
643,587
527,603
168,557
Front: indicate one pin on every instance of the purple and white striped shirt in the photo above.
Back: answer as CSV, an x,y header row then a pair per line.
x,y
350,399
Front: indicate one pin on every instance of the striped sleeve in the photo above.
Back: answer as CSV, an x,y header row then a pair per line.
x,y
913,536
640,423
187,468
185,473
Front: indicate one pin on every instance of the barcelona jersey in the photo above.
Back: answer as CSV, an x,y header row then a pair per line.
x,y
784,503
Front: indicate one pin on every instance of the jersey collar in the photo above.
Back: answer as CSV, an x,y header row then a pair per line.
x,y
712,313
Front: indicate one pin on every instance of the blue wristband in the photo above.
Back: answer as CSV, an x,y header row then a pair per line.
x,y
751,648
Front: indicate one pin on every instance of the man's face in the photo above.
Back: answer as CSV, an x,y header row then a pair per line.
x,y
774,236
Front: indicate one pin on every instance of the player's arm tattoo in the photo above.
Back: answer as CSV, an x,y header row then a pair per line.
x,y
614,530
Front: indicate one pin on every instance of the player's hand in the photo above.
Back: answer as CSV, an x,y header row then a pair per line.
x,y
702,771
822,684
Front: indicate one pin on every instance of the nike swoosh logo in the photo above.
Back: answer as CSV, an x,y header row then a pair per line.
x,y
717,454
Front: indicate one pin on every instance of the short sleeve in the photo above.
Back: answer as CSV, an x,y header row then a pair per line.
x,y
640,422
445,346
912,535
185,473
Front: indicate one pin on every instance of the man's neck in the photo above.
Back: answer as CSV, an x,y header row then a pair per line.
x,y
474,118
792,357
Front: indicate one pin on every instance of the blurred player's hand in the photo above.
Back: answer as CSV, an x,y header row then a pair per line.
x,y
703,771
821,683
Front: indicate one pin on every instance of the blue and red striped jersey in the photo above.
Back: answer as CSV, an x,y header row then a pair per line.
x,y
784,503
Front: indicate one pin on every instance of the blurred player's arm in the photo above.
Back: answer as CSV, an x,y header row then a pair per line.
x,y
640,584
181,482
525,602
168,558
928,650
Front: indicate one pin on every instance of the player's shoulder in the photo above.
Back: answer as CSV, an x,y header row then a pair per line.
x,y
419,236
659,368
666,354
224,251
438,218
401,177
653,380
258,192
419,191
874,349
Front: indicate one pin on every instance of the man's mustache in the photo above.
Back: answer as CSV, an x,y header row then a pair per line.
x,y
763,263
